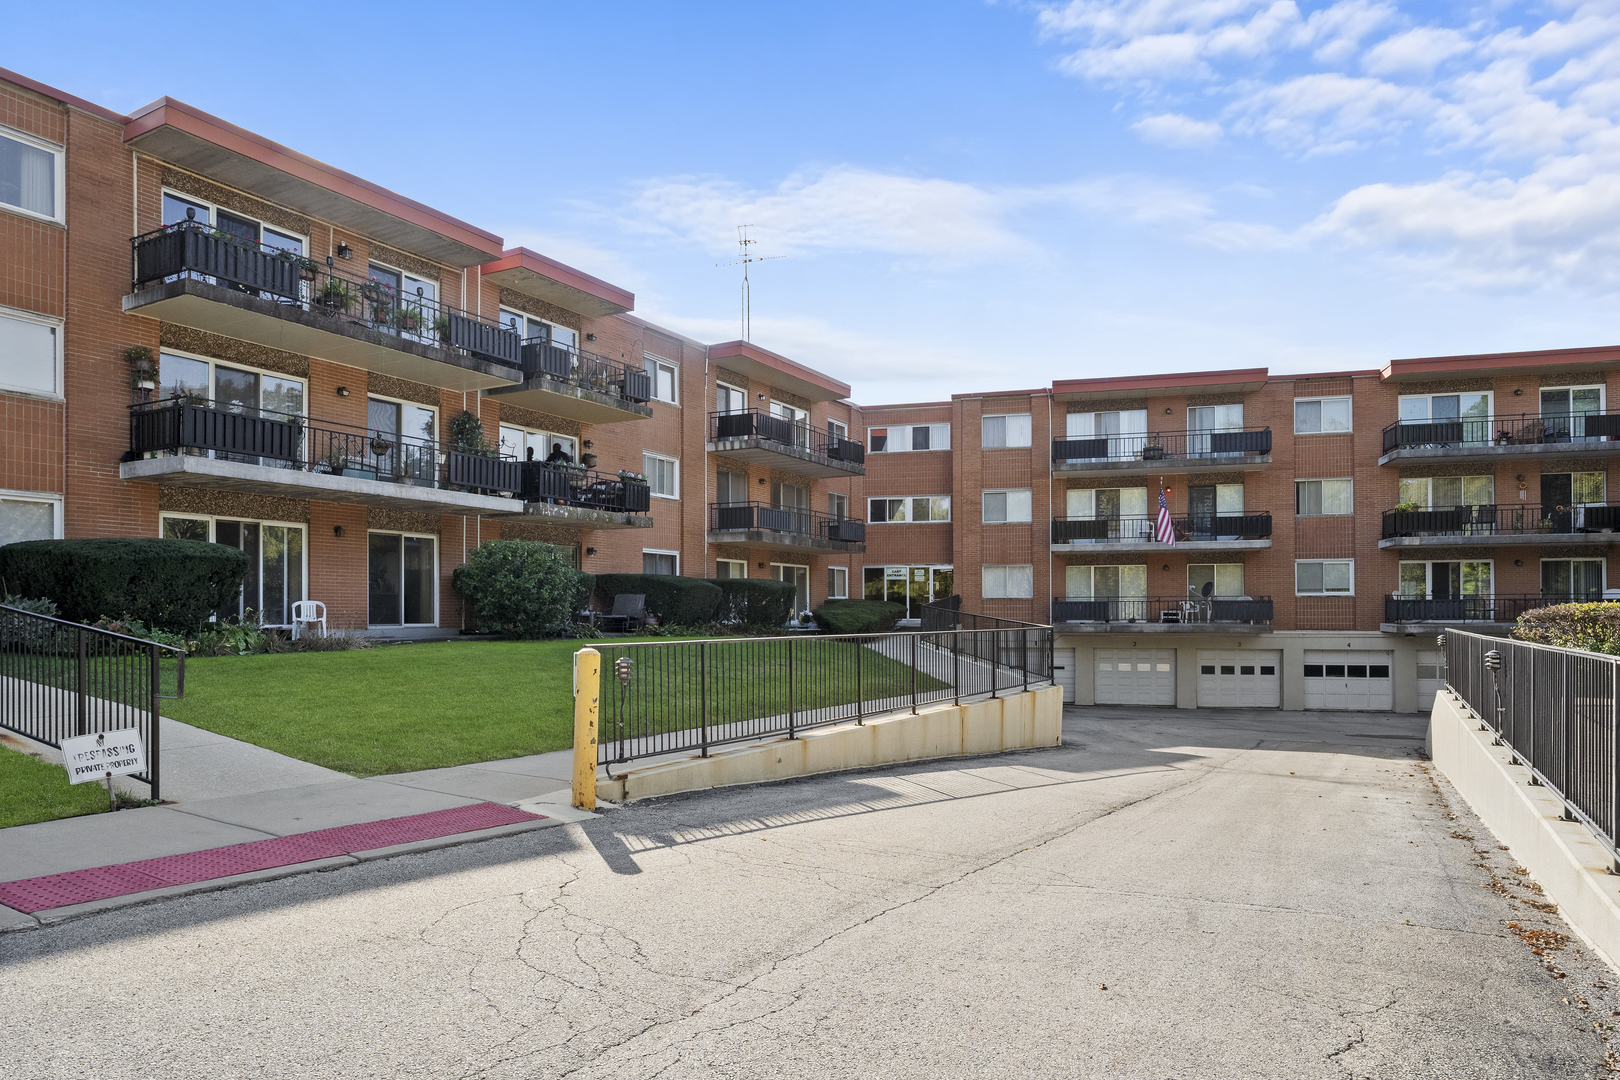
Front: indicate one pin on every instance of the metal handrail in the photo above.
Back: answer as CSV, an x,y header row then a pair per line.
x,y
1189,608
1136,528
761,424
744,516
1504,429
1500,608
544,356
1200,444
1505,519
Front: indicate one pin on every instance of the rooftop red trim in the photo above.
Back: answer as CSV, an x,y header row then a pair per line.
x,y
781,363
65,98
222,133
908,405
1180,378
1039,391
1358,373
556,271
1469,361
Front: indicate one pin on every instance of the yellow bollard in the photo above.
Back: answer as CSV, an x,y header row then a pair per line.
x,y
587,699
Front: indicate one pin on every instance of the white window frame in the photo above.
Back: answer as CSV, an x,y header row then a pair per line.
x,y
10,495
1350,592
214,361
1321,480
907,428
733,563
908,519
1008,493
1428,577
214,520
1490,406
741,392
665,551
1027,417
675,463
674,378
528,431
504,312
838,429
58,176
437,564
1215,576
1347,398
57,373
214,210
1542,563
1603,395
832,574
984,581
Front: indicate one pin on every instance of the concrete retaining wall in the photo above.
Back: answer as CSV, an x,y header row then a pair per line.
x,y
1563,856
1017,722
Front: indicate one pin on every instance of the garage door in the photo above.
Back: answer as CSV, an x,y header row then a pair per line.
x,y
1136,676
1239,678
1063,672
1348,680
1431,678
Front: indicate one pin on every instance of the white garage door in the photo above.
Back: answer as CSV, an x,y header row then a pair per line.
x,y
1136,676
1348,680
1431,678
1063,672
1239,678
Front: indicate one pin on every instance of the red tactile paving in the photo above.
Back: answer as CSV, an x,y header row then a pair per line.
x,y
104,882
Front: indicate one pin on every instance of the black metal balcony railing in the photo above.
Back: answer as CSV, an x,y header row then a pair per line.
x,y
742,517
285,441
1165,446
1144,530
1192,610
1510,519
566,363
1491,609
758,424
1525,429
565,485
192,250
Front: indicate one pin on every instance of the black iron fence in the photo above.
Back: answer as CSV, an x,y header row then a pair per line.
x,y
61,679
190,423
758,424
1525,429
565,485
1191,610
1164,446
745,516
681,696
1555,709
1508,519
190,249
542,356
1144,530
1491,609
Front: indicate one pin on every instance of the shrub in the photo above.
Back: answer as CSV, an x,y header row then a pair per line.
x,y
136,629
173,585
1592,627
678,601
755,602
858,616
521,588
34,605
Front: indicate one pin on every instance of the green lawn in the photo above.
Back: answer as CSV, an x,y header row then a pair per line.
x,y
404,707
33,790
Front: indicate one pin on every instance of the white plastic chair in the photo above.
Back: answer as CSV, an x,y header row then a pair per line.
x,y
308,613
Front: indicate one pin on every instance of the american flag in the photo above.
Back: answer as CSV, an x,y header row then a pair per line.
x,y
1167,532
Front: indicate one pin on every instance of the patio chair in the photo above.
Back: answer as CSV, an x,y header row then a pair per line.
x,y
310,613
627,608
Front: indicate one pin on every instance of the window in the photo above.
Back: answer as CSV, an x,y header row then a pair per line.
x,y
838,430
1087,425
1572,579
890,440
725,569
1448,491
401,574
1105,582
1314,416
662,375
837,582
1570,401
663,475
1424,407
913,508
276,563
1002,431
789,496
799,576
526,444
26,516
1315,498
1215,417
730,488
837,506
1224,579
1005,506
1009,582
30,176
29,357
405,304
1445,580
729,399
403,440
238,226
234,389
1324,577
530,329
660,562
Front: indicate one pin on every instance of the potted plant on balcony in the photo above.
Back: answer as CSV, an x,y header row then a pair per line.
x,y
631,477
1153,452
588,460
381,446
335,295
441,328
467,434
408,320
142,367
1406,508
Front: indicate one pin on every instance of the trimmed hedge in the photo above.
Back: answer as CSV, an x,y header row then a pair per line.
x,y
677,601
762,602
173,585
1592,627
522,588
858,616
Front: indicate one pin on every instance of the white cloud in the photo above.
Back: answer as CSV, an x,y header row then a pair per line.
x,y
1328,112
1417,51
1178,131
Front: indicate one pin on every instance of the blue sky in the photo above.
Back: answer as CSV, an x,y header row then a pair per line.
x,y
969,195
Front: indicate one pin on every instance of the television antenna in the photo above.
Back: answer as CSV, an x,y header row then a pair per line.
x,y
745,259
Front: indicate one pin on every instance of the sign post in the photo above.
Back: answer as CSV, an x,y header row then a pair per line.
x,y
104,755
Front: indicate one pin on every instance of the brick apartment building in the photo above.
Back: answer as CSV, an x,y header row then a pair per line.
x,y
330,365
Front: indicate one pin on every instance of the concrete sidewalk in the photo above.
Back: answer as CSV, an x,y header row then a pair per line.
x,y
222,792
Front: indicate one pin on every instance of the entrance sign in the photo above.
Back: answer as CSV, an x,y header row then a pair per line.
x,y
894,573
105,754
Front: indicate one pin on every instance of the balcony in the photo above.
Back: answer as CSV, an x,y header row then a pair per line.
x,y
565,381
191,275
1164,451
1402,612
192,442
1227,532
758,438
1163,614
784,527
1500,526
1497,438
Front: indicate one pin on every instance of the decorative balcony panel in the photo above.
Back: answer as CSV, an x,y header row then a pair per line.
x,y
757,437
784,527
